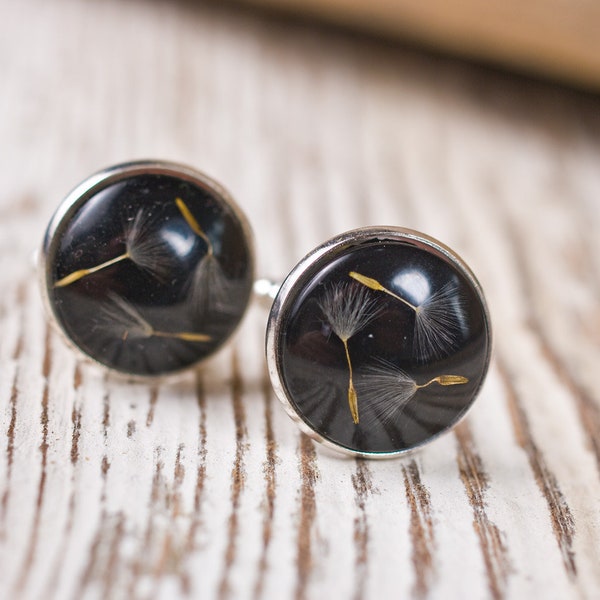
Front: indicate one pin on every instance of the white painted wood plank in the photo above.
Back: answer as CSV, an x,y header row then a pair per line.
x,y
203,486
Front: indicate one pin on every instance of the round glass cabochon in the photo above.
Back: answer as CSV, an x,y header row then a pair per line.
x,y
382,343
149,269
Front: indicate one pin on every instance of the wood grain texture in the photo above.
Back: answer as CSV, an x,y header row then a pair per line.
x,y
202,487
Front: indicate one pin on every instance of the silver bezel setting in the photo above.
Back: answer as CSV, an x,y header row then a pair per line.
x,y
89,188
294,282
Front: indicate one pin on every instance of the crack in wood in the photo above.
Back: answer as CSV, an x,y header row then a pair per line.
x,y
76,432
30,553
270,481
50,588
167,502
14,395
131,427
197,520
77,377
178,477
20,301
309,474
563,524
476,483
363,488
93,566
152,405
116,533
142,561
72,503
105,416
10,448
238,477
104,558
93,556
202,445
587,407
421,529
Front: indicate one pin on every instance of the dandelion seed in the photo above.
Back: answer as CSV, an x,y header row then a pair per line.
x,y
208,286
349,309
193,223
125,321
437,322
146,248
80,273
142,246
387,389
437,317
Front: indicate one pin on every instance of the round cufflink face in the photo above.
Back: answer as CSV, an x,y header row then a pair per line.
x,y
147,267
378,341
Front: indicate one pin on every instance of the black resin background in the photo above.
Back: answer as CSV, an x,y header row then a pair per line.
x,y
313,363
177,298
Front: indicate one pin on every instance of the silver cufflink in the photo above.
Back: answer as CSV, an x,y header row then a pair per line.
x,y
378,341
147,267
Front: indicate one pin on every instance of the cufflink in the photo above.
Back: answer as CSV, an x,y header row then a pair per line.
x,y
378,341
147,267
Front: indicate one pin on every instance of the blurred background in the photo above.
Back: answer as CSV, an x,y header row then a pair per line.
x,y
557,39
475,122
294,90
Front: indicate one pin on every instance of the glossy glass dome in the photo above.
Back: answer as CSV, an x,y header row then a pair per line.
x,y
383,342
149,270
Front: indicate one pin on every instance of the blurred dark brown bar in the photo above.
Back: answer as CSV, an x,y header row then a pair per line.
x,y
558,39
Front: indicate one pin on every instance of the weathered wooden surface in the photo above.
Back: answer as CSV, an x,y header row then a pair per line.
x,y
203,487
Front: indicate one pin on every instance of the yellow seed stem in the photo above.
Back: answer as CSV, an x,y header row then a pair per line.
x,y
352,396
373,284
367,281
184,335
445,380
77,275
193,223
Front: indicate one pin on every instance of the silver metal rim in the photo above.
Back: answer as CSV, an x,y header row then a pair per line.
x,y
294,282
100,180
